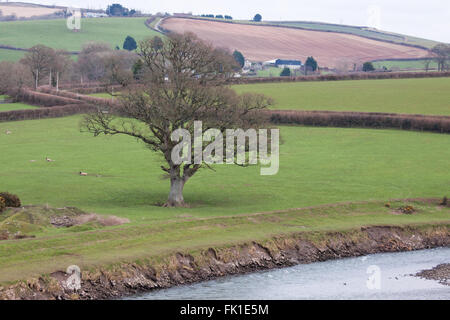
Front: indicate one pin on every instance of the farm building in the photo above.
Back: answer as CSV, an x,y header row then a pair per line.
x,y
95,15
291,64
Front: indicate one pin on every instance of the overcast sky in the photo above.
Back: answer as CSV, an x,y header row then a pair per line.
x,y
423,18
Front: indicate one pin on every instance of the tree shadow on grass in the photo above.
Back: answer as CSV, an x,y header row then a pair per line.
x,y
157,198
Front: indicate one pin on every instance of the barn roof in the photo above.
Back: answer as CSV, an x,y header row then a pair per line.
x,y
288,62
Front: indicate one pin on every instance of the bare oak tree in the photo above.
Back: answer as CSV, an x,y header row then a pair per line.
x,y
90,64
118,69
442,55
60,65
185,80
39,60
13,77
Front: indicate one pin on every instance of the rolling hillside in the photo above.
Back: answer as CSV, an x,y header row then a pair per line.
x,y
341,28
54,33
27,10
261,43
358,31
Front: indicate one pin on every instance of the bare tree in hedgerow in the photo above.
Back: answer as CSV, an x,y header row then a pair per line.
x,y
184,80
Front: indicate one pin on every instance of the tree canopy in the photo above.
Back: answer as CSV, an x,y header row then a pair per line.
x,y
312,63
286,72
130,44
184,80
117,10
257,18
239,57
442,55
368,66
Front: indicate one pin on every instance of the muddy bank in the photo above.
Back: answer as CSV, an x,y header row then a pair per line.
x,y
183,268
440,273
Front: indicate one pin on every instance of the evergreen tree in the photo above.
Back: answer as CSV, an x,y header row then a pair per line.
x,y
257,18
286,72
368,66
130,44
239,57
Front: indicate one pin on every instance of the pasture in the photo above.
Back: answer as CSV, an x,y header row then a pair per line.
x,y
410,96
15,106
318,166
404,65
11,55
55,34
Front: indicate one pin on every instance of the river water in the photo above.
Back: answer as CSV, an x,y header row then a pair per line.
x,y
377,276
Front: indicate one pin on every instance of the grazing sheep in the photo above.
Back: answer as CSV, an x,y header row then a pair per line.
x,y
7,131
83,173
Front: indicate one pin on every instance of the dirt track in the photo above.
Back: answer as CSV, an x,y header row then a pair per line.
x,y
262,43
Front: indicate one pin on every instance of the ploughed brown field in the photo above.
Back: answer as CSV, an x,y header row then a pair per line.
x,y
25,10
263,43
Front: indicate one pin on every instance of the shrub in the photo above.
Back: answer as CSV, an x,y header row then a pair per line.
x,y
44,99
440,124
286,72
11,200
2,204
41,113
444,201
407,209
368,66
335,77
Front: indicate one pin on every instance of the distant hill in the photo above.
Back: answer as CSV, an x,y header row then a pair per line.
x,y
54,33
267,42
362,31
27,10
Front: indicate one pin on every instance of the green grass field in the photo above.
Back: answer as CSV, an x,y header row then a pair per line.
x,y
15,106
317,166
269,72
410,96
54,33
11,55
101,95
404,65
152,243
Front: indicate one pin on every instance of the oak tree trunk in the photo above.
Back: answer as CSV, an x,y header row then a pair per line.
x,y
176,193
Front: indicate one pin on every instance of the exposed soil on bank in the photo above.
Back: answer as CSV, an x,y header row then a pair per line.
x,y
127,279
440,273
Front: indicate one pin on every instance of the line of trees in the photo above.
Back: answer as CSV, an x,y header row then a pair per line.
x,y
117,10
217,16
442,56
42,65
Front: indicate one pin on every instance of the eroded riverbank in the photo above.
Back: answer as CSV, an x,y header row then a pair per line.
x,y
210,263
377,276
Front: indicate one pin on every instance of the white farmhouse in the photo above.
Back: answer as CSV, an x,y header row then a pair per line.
x,y
291,64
